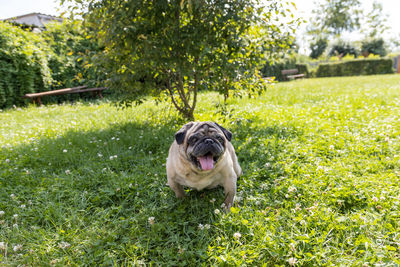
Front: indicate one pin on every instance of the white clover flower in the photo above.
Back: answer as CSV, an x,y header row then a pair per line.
x,y
2,213
65,151
3,246
201,227
217,211
15,216
292,189
292,246
212,200
67,172
12,196
17,248
15,225
151,220
298,206
267,165
292,261
382,198
374,199
64,245
23,206
7,161
130,185
207,226
331,147
53,262
237,235
99,155
130,148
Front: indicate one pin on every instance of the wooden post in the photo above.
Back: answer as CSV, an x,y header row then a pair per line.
x,y
398,64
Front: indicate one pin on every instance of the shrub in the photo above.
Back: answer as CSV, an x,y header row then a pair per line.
x,y
275,70
356,67
23,65
318,48
53,59
71,53
374,46
342,49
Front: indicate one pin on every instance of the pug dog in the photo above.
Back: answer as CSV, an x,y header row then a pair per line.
x,y
202,156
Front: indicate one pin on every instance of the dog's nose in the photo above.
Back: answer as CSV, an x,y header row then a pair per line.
x,y
208,141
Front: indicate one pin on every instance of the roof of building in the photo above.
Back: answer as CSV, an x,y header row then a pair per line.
x,y
34,19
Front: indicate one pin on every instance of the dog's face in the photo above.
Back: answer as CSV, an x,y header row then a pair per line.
x,y
203,143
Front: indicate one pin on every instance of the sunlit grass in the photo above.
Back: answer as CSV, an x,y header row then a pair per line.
x,y
84,183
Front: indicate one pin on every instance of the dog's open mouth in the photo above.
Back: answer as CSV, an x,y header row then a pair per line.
x,y
206,162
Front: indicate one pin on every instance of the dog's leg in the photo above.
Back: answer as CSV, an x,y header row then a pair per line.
x,y
230,191
178,189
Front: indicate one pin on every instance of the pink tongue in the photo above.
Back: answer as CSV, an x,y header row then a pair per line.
x,y
206,162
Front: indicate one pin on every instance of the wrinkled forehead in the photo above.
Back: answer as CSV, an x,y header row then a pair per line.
x,y
206,128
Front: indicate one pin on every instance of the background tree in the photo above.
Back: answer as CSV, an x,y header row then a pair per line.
x,y
318,47
375,23
341,49
333,17
178,47
374,46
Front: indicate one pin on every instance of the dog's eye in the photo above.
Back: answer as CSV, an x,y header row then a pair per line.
x,y
220,138
193,139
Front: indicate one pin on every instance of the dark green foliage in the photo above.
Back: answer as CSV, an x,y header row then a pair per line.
x,y
374,46
342,49
275,69
33,62
71,54
318,48
356,67
302,68
23,65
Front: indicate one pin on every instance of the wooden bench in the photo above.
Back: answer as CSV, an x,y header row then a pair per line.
x,y
36,97
292,74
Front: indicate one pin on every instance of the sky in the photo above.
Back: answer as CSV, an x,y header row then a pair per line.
x,y
11,8
391,8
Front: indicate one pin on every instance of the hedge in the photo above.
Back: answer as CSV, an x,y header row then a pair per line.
x,y
23,64
355,67
275,70
33,62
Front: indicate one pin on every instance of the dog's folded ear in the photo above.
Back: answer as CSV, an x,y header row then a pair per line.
x,y
180,135
227,133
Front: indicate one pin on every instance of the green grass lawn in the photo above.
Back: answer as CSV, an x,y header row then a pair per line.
x,y
84,184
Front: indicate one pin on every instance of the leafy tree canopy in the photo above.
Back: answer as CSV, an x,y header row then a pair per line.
x,y
333,17
318,47
176,47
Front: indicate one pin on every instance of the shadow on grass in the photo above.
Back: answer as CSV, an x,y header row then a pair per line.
x,y
105,193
